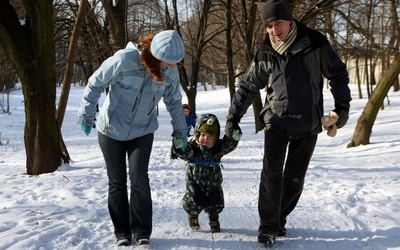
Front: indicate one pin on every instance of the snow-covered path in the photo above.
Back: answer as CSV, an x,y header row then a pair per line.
x,y
350,201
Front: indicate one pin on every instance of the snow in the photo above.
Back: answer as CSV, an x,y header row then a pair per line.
x,y
350,200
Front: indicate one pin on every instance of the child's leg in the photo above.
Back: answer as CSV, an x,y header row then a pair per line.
x,y
188,201
215,198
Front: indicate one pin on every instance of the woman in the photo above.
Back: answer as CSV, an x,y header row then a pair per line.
x,y
137,77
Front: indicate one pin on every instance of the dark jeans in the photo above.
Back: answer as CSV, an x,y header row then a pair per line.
x,y
134,215
282,183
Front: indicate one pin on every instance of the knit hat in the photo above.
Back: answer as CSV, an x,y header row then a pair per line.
x,y
185,106
167,46
274,10
207,123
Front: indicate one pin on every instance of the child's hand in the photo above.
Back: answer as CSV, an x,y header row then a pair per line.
x,y
180,142
236,135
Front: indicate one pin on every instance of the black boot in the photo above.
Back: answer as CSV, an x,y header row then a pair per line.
x,y
282,232
268,239
282,229
214,223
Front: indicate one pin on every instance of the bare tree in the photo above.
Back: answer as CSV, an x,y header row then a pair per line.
x,y
116,15
198,36
229,51
363,129
8,75
392,48
66,86
30,48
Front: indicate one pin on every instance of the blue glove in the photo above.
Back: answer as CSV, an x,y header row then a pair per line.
x,y
180,142
85,128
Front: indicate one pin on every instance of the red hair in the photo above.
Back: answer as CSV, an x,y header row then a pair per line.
x,y
151,63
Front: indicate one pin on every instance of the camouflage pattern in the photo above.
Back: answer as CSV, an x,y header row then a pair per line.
x,y
204,175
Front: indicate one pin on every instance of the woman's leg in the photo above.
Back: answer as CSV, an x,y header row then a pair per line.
x,y
139,151
114,153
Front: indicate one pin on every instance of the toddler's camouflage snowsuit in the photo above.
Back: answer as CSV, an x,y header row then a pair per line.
x,y
204,176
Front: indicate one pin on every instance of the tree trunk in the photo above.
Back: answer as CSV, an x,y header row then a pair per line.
x,y
200,41
358,78
116,15
30,48
394,16
250,27
43,154
66,86
363,129
229,51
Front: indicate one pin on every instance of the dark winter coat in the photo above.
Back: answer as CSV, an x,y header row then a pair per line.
x,y
197,155
190,122
294,84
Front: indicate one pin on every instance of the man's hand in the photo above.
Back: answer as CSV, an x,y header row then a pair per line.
x,y
232,130
342,109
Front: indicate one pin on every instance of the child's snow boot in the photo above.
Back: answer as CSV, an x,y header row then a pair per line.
x,y
194,222
214,223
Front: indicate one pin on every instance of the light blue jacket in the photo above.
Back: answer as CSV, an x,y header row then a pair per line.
x,y
129,110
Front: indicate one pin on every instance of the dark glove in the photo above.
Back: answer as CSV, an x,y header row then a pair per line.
x,y
85,128
173,155
342,109
232,130
180,142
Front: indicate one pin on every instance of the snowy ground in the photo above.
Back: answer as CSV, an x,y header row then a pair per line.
x,y
350,201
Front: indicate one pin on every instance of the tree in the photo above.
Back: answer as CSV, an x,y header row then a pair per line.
x,y
363,129
198,36
229,51
66,86
116,15
249,29
394,40
28,42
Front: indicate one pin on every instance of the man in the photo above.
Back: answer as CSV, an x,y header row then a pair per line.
x,y
290,66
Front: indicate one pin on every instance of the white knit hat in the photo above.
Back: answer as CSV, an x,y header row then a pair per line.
x,y
167,46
